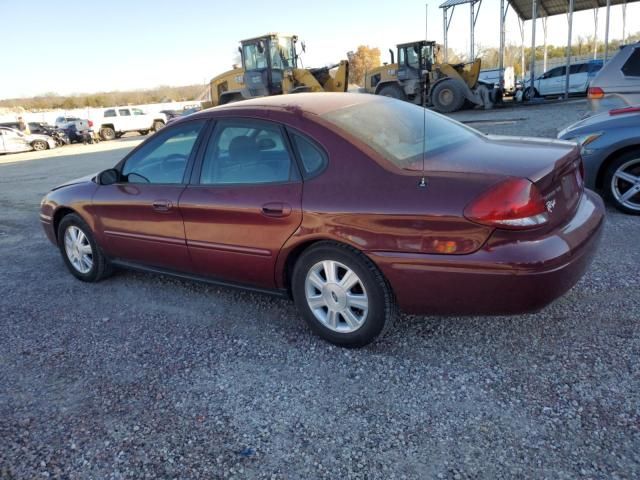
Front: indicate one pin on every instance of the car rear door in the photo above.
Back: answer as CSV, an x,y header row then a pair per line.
x,y
244,202
138,219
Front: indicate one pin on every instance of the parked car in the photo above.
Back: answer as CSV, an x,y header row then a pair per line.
x,y
610,143
327,197
553,82
617,85
15,141
492,76
118,121
59,135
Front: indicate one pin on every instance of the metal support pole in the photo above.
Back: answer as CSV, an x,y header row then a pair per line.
x,y
544,33
532,70
471,25
503,14
595,32
445,27
566,78
521,26
624,23
606,33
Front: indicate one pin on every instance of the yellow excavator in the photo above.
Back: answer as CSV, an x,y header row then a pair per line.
x,y
270,67
417,78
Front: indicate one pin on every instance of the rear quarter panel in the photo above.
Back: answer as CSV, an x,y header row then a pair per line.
x,y
367,204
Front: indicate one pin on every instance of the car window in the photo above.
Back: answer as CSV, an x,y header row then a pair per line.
x,y
313,157
631,67
578,68
109,113
137,111
163,159
246,152
124,112
557,72
396,130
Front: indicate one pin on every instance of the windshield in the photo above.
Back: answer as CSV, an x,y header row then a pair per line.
x,y
282,53
395,129
254,56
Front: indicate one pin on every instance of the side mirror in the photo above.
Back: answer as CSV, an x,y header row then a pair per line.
x,y
108,177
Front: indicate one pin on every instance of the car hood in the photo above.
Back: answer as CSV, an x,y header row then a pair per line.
x,y
37,136
600,121
86,179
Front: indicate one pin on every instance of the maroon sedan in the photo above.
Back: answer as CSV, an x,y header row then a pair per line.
x,y
339,201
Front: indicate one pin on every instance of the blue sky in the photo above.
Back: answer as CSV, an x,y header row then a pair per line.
x,y
72,46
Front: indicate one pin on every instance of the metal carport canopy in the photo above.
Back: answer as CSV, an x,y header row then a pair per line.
x,y
548,8
532,9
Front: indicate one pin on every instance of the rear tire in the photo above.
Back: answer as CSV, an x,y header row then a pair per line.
x,y
447,97
393,91
350,306
143,132
623,178
107,133
157,125
80,252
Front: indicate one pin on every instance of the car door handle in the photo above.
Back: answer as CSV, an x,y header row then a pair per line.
x,y
276,209
162,205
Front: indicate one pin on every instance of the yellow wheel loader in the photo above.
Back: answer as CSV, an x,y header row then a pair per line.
x,y
270,67
417,78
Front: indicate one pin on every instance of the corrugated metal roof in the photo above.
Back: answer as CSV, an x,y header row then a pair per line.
x,y
453,3
549,8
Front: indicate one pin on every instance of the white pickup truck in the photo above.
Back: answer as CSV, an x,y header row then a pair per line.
x,y
118,121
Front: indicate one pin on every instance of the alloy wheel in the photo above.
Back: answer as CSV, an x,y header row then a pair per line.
x,y
78,249
625,184
336,296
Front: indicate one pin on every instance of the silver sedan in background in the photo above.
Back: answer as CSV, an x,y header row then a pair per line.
x,y
611,153
13,141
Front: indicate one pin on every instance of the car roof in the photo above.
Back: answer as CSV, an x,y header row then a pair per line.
x,y
314,103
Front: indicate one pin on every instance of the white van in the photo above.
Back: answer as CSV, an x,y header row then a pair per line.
x,y
492,75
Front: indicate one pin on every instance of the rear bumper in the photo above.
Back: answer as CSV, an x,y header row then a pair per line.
x,y
513,273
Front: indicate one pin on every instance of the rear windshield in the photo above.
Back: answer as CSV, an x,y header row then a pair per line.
x,y
395,129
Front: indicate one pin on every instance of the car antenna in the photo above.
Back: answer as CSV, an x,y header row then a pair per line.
x,y
423,181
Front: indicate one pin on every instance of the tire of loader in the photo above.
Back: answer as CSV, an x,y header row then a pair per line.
x,y
393,91
447,97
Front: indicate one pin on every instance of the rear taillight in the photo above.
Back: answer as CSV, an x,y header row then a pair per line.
x,y
515,204
90,124
595,93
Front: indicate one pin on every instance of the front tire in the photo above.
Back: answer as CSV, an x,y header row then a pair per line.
x,y
529,94
342,295
157,125
447,97
80,253
622,183
143,132
39,145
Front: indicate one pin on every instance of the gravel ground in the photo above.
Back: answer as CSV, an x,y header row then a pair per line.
x,y
144,376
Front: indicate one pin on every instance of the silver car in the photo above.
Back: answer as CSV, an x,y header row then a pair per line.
x,y
610,144
13,141
617,85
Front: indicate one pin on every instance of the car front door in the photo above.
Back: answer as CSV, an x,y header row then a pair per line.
x,y
244,202
138,218
125,120
14,141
